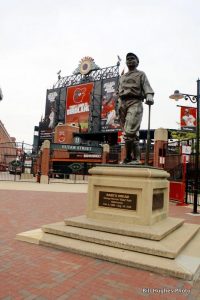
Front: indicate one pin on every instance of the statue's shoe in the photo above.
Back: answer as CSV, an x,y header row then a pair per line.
x,y
135,162
126,161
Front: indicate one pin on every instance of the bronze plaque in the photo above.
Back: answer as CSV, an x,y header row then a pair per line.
x,y
118,200
158,201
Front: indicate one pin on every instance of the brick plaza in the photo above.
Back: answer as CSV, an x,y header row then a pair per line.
x,y
29,271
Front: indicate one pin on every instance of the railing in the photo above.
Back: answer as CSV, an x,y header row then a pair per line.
x,y
15,176
176,173
189,192
67,178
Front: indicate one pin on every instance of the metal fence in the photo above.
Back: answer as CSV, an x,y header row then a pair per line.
x,y
190,182
189,192
65,178
6,176
19,152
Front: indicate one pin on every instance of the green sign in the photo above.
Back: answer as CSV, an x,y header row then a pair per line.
x,y
76,167
76,148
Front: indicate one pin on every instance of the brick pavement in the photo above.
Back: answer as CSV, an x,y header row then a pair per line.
x,y
30,271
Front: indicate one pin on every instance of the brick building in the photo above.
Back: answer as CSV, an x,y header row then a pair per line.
x,y
7,147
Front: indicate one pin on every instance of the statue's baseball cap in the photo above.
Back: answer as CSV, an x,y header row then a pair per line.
x,y
132,54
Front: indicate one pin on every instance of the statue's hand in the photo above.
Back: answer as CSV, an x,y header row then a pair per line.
x,y
149,99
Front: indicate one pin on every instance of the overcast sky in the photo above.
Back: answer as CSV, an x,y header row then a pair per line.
x,y
40,37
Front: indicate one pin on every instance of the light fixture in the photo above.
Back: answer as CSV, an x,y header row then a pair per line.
x,y
177,95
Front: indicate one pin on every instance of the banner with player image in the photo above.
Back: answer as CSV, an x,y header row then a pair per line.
x,y
52,103
48,123
78,105
188,117
109,118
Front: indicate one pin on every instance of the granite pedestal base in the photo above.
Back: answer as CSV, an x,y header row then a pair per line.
x,y
127,223
129,195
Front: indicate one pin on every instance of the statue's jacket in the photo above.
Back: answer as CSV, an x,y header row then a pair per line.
x,y
134,85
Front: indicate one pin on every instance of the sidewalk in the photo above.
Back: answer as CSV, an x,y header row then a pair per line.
x,y
30,271
52,187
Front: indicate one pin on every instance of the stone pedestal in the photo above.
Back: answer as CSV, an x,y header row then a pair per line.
x,y
127,223
44,179
130,195
160,146
45,154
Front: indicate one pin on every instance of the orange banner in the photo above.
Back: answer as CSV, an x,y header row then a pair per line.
x,y
78,105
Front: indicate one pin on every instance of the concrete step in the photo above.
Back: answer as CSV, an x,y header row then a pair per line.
x,y
156,231
185,266
33,236
170,246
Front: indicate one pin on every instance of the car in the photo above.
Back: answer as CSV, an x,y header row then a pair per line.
x,y
15,167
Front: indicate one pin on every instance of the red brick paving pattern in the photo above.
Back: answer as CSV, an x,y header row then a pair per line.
x,y
34,272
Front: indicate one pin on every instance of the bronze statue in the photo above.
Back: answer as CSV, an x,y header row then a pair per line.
x,y
133,88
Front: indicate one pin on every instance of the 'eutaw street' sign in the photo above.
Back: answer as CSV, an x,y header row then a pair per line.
x,y
77,148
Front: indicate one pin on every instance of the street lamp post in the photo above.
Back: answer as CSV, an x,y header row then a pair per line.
x,y
1,95
194,99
